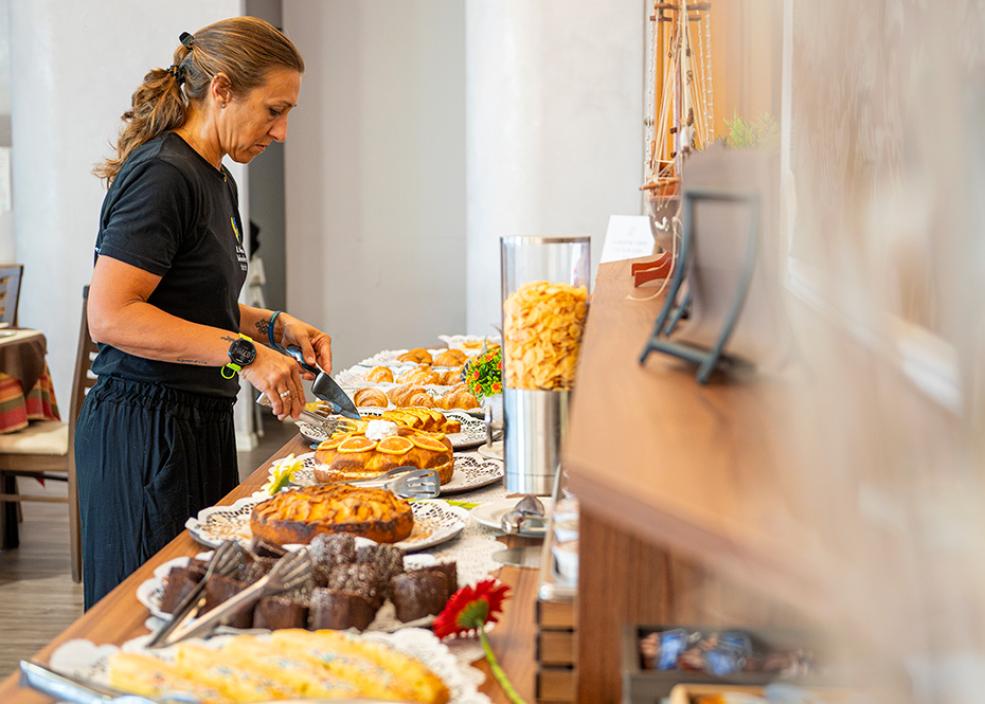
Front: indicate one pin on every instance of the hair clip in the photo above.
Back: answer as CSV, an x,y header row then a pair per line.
x,y
186,39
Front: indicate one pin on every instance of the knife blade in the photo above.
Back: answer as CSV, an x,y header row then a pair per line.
x,y
325,388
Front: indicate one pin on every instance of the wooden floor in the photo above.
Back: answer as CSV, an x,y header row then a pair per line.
x,y
37,596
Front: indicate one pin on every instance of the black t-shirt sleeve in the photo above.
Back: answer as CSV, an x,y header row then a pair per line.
x,y
145,224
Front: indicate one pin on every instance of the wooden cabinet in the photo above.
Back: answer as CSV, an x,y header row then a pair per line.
x,y
684,518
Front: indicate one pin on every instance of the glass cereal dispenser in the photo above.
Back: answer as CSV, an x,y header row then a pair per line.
x,y
545,284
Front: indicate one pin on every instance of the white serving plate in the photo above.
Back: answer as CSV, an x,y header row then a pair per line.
x,y
85,660
472,435
150,591
435,522
472,471
490,514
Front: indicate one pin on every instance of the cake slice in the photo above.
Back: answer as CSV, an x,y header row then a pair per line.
x,y
405,677
212,668
148,676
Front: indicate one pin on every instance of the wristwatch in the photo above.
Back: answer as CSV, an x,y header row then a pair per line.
x,y
241,353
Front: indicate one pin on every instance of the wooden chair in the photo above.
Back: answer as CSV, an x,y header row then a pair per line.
x,y
45,451
11,276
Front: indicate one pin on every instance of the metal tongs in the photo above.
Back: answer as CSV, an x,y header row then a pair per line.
x,y
226,559
290,572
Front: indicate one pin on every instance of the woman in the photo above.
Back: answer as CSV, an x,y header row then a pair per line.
x,y
155,441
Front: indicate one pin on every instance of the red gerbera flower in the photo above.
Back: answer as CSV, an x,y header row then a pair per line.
x,y
471,608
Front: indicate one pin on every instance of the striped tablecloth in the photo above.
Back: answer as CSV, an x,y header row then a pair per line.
x,y
17,408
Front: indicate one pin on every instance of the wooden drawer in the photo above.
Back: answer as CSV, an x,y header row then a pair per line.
x,y
556,647
555,684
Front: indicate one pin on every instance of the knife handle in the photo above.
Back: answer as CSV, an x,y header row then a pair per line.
x,y
295,351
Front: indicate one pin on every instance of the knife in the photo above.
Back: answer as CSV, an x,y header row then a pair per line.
x,y
325,388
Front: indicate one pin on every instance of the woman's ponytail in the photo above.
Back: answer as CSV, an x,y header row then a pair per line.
x,y
156,107
242,48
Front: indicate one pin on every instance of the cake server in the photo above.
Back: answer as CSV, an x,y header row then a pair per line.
x,y
325,388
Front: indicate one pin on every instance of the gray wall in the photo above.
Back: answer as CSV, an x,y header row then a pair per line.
x,y
376,172
65,114
267,206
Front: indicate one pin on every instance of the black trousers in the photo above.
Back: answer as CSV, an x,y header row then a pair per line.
x,y
147,457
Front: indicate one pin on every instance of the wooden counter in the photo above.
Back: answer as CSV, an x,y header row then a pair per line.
x,y
119,616
684,513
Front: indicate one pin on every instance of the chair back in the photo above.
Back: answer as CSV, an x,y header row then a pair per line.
x,y
10,292
83,378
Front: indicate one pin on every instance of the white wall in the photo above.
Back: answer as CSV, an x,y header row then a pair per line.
x,y
376,172
74,67
554,115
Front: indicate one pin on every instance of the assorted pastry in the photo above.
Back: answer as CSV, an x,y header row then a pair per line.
x,y
382,445
348,587
457,396
300,515
418,355
288,664
417,417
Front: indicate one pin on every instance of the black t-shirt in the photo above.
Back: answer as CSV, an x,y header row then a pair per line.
x,y
170,212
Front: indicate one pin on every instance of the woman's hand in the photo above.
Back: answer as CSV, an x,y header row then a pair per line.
x,y
279,377
316,346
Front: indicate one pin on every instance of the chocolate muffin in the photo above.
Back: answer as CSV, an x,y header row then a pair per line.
x,y
339,610
275,612
177,585
418,594
218,589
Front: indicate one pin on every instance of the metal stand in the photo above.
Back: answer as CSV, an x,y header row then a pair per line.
x,y
706,359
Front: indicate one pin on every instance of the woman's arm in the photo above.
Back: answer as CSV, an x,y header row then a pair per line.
x,y
315,345
119,315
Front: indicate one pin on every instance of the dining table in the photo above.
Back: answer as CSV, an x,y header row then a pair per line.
x,y
26,390
119,616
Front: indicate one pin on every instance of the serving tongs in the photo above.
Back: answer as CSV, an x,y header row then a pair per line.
x,y
226,559
406,482
290,572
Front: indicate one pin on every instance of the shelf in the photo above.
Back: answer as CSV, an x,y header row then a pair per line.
x,y
697,470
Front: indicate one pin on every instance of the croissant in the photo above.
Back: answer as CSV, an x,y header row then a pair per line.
x,y
380,374
370,397
418,355
450,358
457,399
422,374
411,395
450,377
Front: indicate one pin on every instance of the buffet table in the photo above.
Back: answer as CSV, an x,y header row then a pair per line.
x,y
119,617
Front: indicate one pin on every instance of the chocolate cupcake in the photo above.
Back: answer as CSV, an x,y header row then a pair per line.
x,y
177,585
276,612
217,590
339,610
418,594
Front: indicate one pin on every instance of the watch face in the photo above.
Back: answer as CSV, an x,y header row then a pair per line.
x,y
242,352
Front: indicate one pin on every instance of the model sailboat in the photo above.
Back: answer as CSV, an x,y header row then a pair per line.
x,y
680,102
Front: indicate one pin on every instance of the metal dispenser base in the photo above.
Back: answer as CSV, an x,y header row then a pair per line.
x,y
534,425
